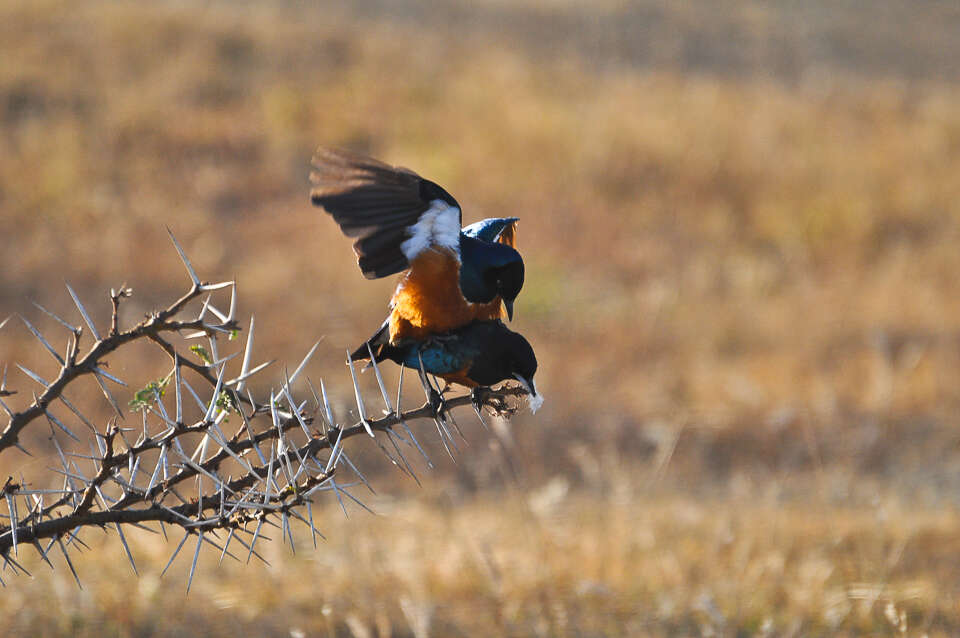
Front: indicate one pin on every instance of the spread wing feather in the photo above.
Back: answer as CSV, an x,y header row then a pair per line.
x,y
377,204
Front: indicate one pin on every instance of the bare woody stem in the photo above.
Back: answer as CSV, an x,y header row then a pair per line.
x,y
119,512
71,369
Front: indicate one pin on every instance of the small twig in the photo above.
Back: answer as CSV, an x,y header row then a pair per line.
x,y
115,296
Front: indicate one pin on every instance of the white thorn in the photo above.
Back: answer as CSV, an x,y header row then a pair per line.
x,y
356,392
296,373
83,311
247,355
183,257
36,333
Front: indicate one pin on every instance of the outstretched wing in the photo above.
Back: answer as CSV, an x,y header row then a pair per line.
x,y
394,213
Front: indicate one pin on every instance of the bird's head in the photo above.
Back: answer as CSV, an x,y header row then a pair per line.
x,y
489,270
507,355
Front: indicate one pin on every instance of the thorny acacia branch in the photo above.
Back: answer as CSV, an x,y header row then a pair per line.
x,y
278,458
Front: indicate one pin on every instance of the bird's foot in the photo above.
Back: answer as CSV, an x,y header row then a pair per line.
x,y
482,396
479,396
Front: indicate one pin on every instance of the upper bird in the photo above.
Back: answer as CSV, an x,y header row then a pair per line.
x,y
405,222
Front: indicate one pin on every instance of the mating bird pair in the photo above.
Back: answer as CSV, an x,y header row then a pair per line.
x,y
445,315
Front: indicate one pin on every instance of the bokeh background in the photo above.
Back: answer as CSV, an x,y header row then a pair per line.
x,y
740,221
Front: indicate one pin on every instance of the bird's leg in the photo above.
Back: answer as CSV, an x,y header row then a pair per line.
x,y
437,403
434,397
478,397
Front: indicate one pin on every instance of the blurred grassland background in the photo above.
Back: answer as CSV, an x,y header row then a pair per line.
x,y
740,222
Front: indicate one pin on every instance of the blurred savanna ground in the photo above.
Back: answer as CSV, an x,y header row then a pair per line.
x,y
740,222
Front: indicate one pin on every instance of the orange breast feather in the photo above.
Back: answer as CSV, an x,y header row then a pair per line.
x,y
428,299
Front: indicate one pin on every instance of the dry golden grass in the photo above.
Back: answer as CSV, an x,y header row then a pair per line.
x,y
548,564
741,287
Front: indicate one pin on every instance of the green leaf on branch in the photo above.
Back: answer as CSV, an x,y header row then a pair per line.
x,y
148,394
201,352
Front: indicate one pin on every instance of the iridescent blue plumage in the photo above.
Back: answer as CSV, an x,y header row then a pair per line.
x,y
439,357
479,259
479,354
488,229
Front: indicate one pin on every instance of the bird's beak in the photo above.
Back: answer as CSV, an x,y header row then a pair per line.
x,y
527,383
536,400
509,307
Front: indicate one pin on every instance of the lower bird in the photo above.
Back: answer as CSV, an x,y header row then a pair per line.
x,y
479,354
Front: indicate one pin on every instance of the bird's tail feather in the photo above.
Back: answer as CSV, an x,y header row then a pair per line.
x,y
377,343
